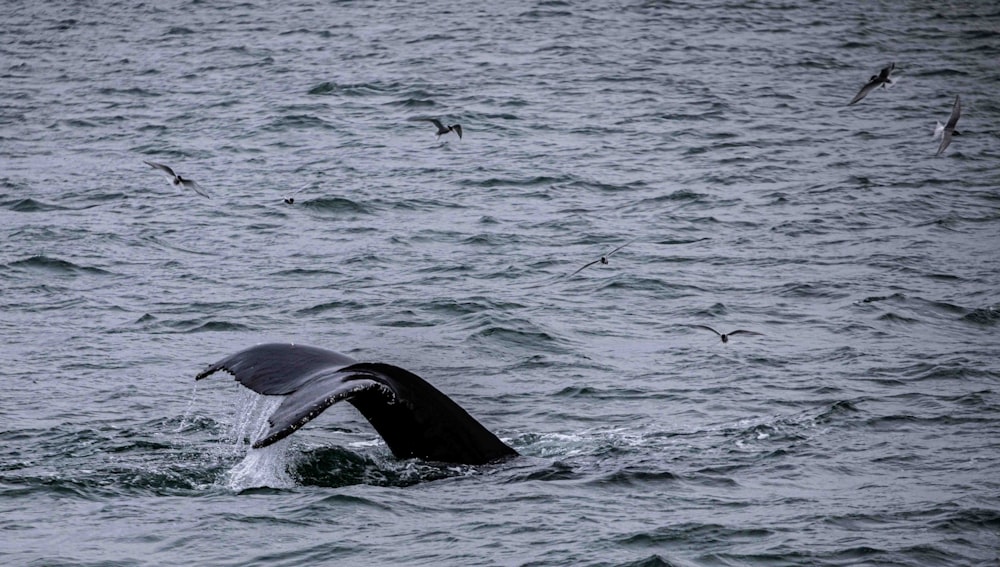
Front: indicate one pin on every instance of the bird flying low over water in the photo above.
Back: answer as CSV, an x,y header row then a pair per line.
x,y
948,130
289,199
177,180
725,336
442,129
881,79
603,259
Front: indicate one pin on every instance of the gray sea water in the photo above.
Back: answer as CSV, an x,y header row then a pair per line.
x,y
862,427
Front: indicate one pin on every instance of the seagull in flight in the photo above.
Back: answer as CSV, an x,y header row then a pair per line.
x,y
442,129
603,259
948,130
881,79
725,336
177,180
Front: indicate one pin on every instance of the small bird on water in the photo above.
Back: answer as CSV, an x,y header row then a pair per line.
x,y
948,130
881,79
442,129
603,259
725,336
177,180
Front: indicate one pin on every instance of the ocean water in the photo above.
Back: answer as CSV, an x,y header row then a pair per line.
x,y
861,427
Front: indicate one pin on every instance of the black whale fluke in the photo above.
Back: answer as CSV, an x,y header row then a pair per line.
x,y
414,418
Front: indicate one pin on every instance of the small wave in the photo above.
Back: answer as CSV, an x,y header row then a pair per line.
x,y
896,318
635,477
30,205
298,121
695,533
983,316
336,205
535,181
513,336
55,265
196,326
354,89
335,467
555,471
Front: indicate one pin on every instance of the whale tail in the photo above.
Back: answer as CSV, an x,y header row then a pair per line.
x,y
414,418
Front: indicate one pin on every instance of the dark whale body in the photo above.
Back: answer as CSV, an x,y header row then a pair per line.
x,y
414,418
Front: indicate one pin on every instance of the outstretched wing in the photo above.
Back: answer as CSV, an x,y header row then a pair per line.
x,y
619,248
436,122
191,184
458,130
584,267
709,328
956,112
414,418
744,332
945,140
161,167
863,92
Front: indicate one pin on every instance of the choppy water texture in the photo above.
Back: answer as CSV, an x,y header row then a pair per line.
x,y
861,428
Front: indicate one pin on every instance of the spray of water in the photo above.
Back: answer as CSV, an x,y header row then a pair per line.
x,y
260,467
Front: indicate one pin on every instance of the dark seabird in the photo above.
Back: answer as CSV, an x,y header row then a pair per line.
x,y
948,130
442,129
603,259
725,336
177,180
881,79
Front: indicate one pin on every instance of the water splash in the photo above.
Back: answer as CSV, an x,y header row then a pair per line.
x,y
265,467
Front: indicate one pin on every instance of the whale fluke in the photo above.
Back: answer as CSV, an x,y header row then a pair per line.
x,y
414,418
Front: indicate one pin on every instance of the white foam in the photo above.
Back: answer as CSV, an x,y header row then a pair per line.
x,y
267,466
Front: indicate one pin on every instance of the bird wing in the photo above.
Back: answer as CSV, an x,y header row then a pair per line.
x,y
619,248
191,184
945,140
745,332
299,190
956,111
863,92
709,328
436,122
585,266
458,130
884,75
161,167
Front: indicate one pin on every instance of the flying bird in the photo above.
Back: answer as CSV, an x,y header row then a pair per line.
x,y
177,180
948,130
289,199
442,129
603,259
881,79
725,336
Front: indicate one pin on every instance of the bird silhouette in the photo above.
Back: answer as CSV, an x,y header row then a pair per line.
x,y
725,336
948,130
881,79
442,129
177,180
603,259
